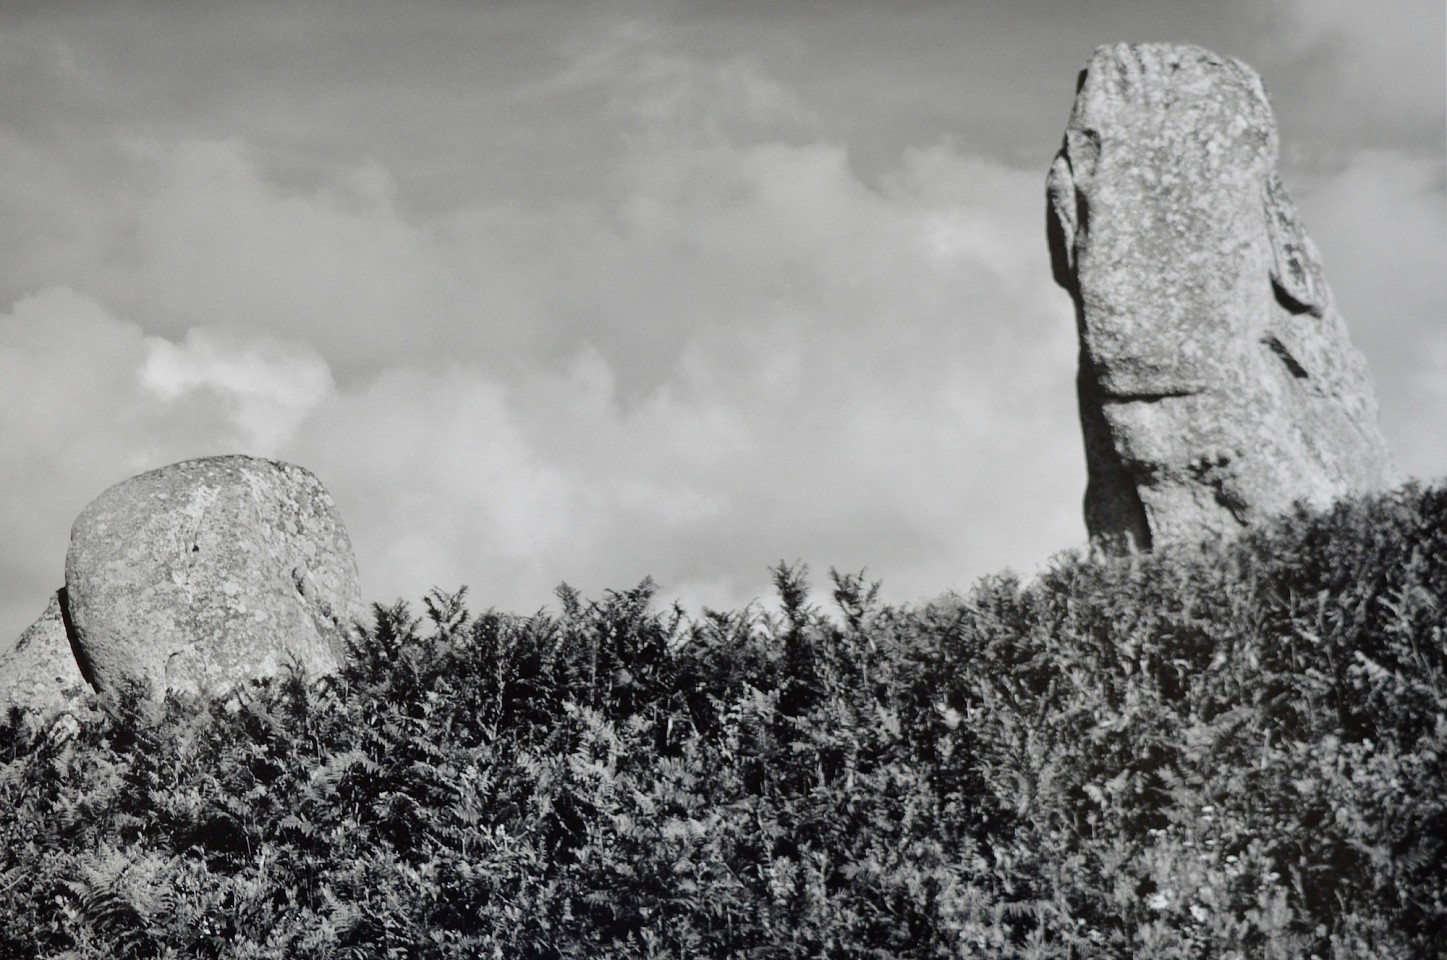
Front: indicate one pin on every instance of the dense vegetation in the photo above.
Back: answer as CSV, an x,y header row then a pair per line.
x,y
1226,751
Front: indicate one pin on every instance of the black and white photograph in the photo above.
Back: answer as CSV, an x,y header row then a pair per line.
x,y
723,478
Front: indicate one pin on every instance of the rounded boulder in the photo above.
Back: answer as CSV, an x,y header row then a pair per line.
x,y
207,573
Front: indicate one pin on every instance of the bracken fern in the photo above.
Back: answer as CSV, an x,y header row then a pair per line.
x,y
1232,750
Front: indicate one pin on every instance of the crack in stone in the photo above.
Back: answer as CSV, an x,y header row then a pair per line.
x,y
1279,348
1155,397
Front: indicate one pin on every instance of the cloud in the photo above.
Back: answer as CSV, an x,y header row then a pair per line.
x,y
856,376
221,244
268,388
740,352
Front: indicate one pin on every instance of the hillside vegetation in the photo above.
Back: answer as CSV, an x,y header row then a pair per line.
x,y
1226,751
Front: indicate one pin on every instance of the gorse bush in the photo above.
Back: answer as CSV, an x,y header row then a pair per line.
x,y
1211,752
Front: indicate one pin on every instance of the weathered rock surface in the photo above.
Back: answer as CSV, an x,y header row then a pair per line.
x,y
207,573
38,671
1216,382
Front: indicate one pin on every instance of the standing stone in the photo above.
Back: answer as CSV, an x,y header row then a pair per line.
x,y
1217,384
204,574
38,671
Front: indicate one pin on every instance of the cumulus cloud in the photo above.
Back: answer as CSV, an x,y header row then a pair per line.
x,y
218,242
741,353
267,387
780,362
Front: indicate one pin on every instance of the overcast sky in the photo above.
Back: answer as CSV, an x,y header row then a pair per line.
x,y
584,292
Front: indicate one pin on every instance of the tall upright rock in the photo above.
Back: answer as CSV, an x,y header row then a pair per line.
x,y
1217,384
207,573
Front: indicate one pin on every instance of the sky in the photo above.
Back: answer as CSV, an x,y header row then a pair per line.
x,y
552,292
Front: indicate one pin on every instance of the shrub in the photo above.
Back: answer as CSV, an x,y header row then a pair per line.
x,y
1229,750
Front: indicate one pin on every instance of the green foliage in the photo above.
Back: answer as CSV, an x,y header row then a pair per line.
x,y
1227,751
